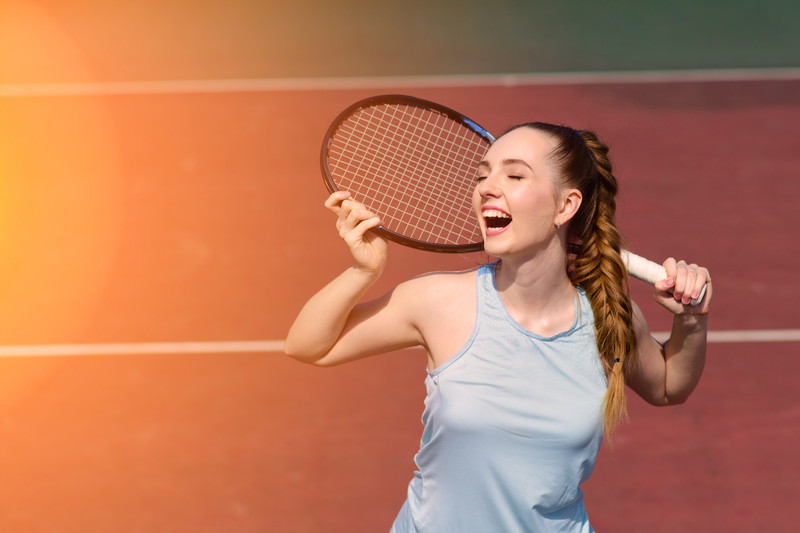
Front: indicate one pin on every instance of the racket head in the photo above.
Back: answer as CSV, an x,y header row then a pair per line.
x,y
413,162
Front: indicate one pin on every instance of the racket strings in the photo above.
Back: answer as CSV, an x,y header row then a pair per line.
x,y
450,160
398,156
438,200
406,153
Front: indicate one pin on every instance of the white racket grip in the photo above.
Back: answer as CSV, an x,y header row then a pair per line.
x,y
648,271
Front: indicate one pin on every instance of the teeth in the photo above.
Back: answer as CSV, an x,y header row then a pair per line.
x,y
495,213
496,219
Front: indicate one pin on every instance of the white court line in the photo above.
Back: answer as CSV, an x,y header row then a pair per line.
x,y
355,83
276,346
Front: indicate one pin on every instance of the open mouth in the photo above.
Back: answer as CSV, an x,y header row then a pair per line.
x,y
496,220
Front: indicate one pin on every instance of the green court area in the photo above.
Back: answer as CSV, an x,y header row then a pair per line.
x,y
188,39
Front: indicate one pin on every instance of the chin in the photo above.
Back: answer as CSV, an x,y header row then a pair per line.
x,y
494,249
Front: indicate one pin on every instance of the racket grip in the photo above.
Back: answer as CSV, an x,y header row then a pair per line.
x,y
648,271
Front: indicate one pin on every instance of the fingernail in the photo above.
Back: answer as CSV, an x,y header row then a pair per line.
x,y
670,282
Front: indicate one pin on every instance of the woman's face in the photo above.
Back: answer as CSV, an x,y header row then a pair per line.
x,y
517,197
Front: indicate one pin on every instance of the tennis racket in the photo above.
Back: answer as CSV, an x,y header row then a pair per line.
x,y
413,162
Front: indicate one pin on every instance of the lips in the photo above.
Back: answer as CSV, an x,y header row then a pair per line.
x,y
496,220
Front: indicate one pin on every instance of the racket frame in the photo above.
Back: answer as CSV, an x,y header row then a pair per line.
x,y
402,99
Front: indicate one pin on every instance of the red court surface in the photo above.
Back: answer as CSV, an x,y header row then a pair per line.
x,y
198,217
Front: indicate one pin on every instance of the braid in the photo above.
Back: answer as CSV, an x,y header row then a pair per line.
x,y
600,271
598,268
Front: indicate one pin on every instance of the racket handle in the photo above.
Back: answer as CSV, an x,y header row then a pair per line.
x,y
650,272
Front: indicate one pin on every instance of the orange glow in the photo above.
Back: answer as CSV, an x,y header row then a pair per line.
x,y
58,193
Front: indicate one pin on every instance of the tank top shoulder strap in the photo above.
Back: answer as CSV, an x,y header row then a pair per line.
x,y
489,304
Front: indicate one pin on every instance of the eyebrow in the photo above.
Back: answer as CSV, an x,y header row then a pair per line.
x,y
506,162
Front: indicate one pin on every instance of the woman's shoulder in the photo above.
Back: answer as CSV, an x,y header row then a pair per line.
x,y
442,306
437,288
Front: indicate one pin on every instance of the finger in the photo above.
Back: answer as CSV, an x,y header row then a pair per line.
x,y
362,227
354,217
334,201
689,282
681,274
342,213
671,266
664,286
349,205
701,280
352,204
349,209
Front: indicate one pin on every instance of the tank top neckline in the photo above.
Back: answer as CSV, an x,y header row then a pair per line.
x,y
494,293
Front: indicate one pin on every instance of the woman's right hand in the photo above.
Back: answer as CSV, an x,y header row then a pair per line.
x,y
354,222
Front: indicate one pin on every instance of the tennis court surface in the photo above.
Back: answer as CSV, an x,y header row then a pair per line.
x,y
161,223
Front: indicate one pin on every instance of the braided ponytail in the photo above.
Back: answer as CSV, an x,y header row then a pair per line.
x,y
598,268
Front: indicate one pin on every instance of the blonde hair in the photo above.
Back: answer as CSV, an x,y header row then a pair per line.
x,y
598,268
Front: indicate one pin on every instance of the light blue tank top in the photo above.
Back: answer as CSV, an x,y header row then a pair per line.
x,y
512,427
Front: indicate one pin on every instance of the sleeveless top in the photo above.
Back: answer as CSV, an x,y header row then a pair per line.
x,y
512,426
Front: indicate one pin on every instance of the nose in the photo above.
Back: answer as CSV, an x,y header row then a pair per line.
x,y
488,187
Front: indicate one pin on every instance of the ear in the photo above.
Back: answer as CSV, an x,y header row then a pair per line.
x,y
570,202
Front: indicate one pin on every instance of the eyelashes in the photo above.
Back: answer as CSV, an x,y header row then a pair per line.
x,y
514,177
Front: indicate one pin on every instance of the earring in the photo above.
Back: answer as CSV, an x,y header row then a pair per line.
x,y
558,225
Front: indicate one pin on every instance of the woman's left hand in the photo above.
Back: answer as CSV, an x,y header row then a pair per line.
x,y
684,283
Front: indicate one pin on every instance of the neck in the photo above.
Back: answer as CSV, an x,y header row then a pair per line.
x,y
537,287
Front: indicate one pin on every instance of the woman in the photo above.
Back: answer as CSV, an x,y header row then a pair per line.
x,y
527,357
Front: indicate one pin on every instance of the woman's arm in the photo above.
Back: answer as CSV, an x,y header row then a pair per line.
x,y
667,374
333,327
